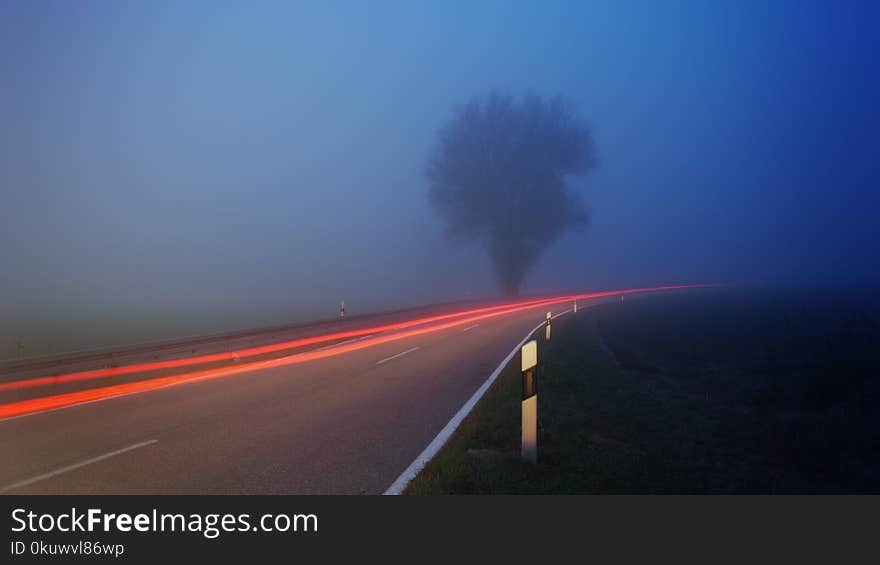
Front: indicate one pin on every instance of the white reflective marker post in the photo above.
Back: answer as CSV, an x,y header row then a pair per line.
x,y
574,308
529,402
342,309
547,329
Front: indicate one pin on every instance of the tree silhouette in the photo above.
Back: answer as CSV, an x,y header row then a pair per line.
x,y
498,175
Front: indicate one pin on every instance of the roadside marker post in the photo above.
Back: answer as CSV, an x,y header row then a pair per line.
x,y
574,308
342,309
547,329
529,355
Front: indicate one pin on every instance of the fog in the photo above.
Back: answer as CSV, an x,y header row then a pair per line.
x,y
169,169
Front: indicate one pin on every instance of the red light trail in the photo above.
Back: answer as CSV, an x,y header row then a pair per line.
x,y
33,405
239,353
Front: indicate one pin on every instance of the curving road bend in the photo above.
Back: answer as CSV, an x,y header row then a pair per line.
x,y
345,416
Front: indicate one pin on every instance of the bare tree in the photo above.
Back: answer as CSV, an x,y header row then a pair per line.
x,y
498,175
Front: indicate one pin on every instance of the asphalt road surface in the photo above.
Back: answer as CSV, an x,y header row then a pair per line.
x,y
348,423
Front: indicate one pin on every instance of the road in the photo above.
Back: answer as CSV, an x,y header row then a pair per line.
x,y
347,418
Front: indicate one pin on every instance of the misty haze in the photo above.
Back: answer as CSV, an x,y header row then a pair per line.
x,y
488,247
173,170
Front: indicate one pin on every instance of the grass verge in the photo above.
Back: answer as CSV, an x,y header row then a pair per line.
x,y
717,393
576,415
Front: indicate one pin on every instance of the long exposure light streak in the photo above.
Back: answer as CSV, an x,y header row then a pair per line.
x,y
448,320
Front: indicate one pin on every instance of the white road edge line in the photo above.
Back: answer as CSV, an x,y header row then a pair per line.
x,y
401,354
74,466
469,328
438,442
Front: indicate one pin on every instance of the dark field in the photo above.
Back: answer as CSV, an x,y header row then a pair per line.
x,y
727,391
